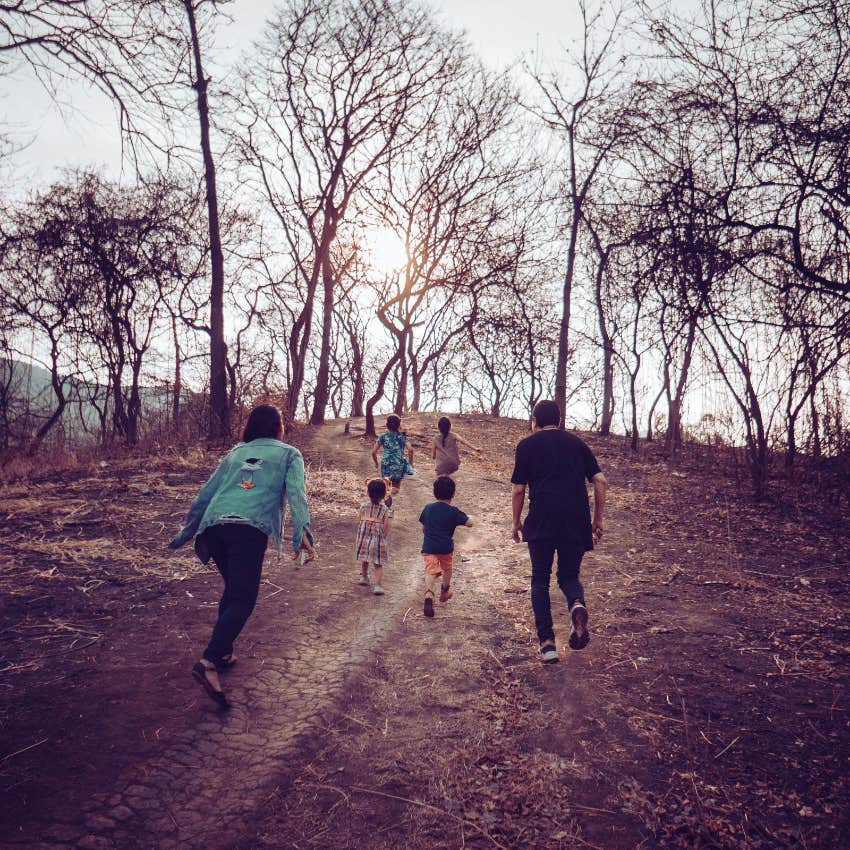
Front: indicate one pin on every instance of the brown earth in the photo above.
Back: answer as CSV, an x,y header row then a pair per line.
x,y
709,710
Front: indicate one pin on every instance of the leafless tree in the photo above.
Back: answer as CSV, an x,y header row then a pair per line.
x,y
329,100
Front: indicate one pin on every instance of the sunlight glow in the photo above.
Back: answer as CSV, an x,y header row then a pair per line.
x,y
385,250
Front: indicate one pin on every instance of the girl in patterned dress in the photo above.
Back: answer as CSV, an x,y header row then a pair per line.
x,y
397,459
373,525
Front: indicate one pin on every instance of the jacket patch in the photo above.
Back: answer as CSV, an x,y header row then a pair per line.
x,y
249,467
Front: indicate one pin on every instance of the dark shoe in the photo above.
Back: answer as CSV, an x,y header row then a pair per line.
x,y
445,594
388,501
225,662
201,674
579,635
548,653
429,607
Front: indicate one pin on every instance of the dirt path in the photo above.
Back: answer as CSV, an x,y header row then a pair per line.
x,y
705,712
309,636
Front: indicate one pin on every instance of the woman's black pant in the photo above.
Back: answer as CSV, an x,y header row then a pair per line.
x,y
238,550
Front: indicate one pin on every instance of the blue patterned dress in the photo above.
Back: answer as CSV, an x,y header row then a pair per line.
x,y
394,465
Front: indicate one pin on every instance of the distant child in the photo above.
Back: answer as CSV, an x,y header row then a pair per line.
x,y
439,520
394,465
374,524
444,449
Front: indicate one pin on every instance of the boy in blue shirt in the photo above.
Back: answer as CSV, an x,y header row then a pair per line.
x,y
439,520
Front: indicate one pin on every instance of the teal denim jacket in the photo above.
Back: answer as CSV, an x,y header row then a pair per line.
x,y
251,484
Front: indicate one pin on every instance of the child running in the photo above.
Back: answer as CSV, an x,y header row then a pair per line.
x,y
445,448
439,520
374,523
394,465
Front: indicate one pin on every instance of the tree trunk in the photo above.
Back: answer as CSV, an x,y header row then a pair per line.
x,y
673,439
219,425
633,400
320,396
815,417
401,389
564,331
665,388
378,394
178,379
61,401
359,390
607,389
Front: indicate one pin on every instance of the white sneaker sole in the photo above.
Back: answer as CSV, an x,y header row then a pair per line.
x,y
579,635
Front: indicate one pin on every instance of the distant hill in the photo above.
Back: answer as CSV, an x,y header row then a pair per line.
x,y
31,388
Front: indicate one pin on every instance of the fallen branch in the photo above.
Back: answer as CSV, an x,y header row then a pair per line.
x,y
18,752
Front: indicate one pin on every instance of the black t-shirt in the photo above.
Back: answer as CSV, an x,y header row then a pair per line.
x,y
440,519
555,464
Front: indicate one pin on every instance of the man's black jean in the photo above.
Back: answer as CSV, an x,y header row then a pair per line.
x,y
238,550
542,553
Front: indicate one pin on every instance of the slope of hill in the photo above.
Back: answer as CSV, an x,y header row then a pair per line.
x,y
707,710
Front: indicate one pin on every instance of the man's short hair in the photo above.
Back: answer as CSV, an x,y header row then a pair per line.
x,y
444,487
546,413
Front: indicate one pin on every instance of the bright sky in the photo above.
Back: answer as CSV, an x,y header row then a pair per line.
x,y
81,131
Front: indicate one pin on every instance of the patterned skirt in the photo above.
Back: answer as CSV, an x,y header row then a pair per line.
x,y
371,544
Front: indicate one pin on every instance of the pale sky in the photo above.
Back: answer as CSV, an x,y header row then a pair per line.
x,y
82,130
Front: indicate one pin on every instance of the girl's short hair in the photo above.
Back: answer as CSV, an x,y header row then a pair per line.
x,y
444,425
263,421
376,489
444,487
393,422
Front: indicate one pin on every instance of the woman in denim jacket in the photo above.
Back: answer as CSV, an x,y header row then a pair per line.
x,y
232,518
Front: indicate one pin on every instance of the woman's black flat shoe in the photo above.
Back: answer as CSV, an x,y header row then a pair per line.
x,y
199,673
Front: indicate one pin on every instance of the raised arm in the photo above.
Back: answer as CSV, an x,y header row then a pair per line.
x,y
466,443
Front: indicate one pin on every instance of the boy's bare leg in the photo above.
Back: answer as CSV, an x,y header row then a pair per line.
x,y
364,572
445,593
430,585
379,574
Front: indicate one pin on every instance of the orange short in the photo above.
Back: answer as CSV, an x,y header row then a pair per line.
x,y
435,564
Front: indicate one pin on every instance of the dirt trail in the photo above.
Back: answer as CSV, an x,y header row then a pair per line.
x,y
309,637
705,712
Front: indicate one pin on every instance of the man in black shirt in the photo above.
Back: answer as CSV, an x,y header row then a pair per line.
x,y
554,465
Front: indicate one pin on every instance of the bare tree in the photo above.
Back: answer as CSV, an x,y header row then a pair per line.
x,y
330,98
591,121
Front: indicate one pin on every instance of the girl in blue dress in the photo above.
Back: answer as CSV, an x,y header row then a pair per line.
x,y
397,459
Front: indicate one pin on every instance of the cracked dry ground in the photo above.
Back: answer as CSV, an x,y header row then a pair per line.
x,y
708,711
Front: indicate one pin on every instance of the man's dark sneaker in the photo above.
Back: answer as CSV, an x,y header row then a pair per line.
x,y
429,607
579,635
548,653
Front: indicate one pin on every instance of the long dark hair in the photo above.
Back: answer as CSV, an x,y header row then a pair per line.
x,y
263,421
393,423
445,425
